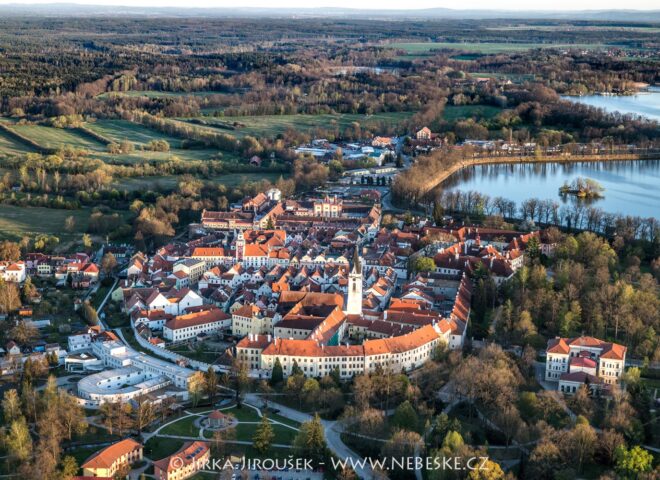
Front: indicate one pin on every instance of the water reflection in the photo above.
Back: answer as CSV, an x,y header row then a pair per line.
x,y
631,187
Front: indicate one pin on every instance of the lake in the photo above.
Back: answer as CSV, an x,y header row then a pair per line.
x,y
646,104
631,187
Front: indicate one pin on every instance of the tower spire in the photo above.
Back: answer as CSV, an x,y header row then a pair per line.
x,y
357,266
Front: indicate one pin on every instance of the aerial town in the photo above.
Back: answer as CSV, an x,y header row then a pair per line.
x,y
232,247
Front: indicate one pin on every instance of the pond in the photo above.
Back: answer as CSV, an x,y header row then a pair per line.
x,y
630,187
646,104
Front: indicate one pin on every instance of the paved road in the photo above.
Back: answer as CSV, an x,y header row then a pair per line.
x,y
331,428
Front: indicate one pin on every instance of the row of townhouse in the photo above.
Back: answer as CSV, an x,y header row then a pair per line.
x,y
79,267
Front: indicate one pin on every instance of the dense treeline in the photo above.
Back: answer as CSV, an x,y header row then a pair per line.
x,y
576,215
595,289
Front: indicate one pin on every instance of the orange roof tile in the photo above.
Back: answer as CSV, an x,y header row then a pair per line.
x,y
109,455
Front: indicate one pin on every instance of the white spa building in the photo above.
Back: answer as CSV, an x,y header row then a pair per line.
x,y
130,374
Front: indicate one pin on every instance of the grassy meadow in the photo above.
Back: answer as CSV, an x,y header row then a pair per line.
x,y
51,137
272,125
18,221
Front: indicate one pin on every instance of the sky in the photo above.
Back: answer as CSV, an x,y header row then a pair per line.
x,y
553,5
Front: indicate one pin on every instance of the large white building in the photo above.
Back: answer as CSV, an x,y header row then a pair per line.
x,y
185,327
404,352
573,362
130,375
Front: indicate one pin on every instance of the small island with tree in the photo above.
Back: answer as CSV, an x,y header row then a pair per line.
x,y
582,188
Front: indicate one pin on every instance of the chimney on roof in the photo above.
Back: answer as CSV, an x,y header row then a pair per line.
x,y
269,337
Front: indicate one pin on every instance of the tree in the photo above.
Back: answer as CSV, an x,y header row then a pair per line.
x,y
423,264
277,375
582,444
438,213
144,412
9,251
69,468
402,444
18,441
11,406
311,390
608,443
221,438
89,314
263,436
211,384
71,414
452,441
631,463
363,390
108,263
294,385
405,417
509,421
10,297
544,460
487,471
87,241
196,387
239,375
310,441
24,332
70,224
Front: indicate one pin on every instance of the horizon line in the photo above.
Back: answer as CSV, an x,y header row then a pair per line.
x,y
103,3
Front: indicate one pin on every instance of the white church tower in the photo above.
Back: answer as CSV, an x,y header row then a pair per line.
x,y
354,302
240,246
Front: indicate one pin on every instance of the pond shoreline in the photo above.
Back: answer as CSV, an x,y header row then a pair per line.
x,y
440,178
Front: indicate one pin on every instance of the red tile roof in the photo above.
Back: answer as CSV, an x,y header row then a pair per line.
x,y
197,318
109,455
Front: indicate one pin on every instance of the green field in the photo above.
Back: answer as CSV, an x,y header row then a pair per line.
x,y
50,137
272,125
120,130
18,221
459,112
9,146
418,48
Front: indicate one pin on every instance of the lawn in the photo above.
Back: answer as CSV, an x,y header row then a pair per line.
x,y
243,414
283,435
158,447
184,427
50,137
460,112
18,221
11,147
419,48
119,130
82,454
272,125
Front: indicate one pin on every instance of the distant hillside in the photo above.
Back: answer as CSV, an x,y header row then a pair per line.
x,y
69,9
